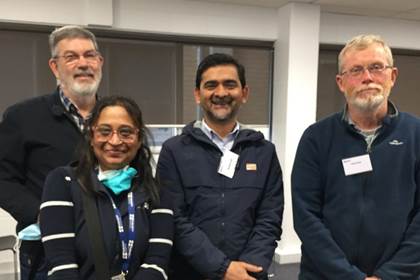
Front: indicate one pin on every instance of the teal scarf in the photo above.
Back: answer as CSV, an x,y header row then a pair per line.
x,y
117,180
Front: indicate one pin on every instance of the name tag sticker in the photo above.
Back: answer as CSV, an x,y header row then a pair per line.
x,y
227,164
356,165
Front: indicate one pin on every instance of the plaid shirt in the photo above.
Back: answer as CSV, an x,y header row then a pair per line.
x,y
74,112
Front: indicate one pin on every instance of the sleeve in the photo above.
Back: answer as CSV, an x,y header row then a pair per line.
x,y
307,196
190,241
57,227
405,263
156,262
15,198
262,243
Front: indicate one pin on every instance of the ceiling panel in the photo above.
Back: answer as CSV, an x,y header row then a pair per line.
x,y
411,15
385,5
356,11
402,9
260,3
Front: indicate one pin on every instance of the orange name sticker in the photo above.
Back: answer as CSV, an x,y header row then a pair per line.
x,y
251,167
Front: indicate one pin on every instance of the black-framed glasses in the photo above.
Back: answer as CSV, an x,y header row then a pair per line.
x,y
71,57
374,69
104,133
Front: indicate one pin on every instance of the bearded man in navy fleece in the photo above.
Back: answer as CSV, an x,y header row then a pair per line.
x,y
356,177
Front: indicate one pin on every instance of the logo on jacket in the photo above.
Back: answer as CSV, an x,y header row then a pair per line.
x,y
395,142
251,167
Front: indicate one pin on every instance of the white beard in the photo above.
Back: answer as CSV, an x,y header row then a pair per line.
x,y
84,89
368,104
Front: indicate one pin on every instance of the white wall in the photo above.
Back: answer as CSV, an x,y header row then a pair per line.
x,y
98,12
191,18
337,29
185,17
196,18
294,100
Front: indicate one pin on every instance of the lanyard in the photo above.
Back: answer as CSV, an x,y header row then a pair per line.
x,y
127,240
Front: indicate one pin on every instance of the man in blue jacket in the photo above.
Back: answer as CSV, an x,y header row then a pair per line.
x,y
226,182
41,133
356,177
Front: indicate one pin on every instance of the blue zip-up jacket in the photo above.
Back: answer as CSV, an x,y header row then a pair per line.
x,y
363,224
219,219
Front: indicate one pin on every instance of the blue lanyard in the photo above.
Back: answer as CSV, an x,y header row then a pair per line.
x,y
127,240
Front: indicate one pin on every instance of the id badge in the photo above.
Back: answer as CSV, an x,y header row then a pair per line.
x,y
227,164
118,277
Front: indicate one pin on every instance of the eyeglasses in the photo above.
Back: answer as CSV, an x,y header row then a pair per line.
x,y
374,69
126,134
72,58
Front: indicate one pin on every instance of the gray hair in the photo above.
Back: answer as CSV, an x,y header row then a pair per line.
x,y
69,32
362,42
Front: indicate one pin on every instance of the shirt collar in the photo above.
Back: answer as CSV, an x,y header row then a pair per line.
x,y
392,113
70,107
73,111
212,134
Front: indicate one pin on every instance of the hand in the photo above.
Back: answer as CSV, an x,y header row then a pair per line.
x,y
239,271
372,278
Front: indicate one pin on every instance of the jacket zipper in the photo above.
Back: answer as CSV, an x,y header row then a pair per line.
x,y
365,175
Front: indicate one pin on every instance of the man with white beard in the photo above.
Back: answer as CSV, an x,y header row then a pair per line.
x,y
356,177
40,134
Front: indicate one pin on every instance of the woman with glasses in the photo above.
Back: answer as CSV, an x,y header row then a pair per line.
x,y
134,228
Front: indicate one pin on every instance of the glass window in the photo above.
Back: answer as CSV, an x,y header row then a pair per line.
x,y
158,74
329,98
257,63
144,71
24,70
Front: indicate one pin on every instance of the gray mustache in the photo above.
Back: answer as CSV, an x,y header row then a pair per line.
x,y
84,72
225,100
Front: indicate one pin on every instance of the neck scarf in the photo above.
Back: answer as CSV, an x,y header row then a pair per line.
x,y
117,180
